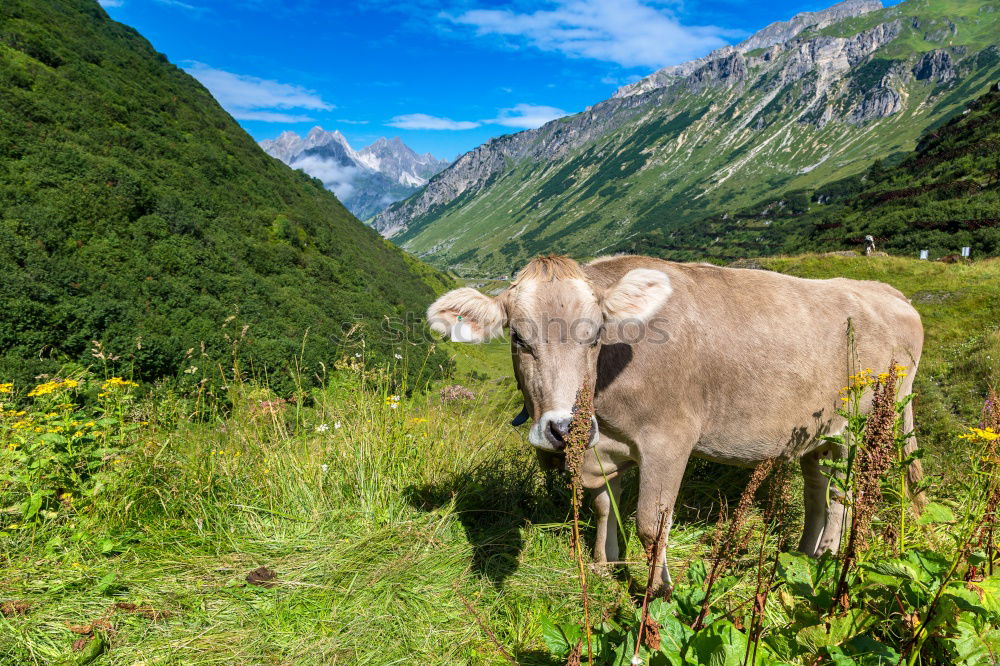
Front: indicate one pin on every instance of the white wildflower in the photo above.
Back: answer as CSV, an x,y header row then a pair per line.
x,y
336,426
324,468
322,427
398,357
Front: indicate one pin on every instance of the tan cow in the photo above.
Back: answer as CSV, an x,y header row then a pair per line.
x,y
733,365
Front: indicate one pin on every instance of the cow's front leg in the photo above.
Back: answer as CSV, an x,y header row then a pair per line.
x,y
605,499
659,482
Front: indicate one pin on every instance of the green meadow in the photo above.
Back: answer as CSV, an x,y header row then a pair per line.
x,y
347,522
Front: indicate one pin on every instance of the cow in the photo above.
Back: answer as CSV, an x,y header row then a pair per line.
x,y
732,365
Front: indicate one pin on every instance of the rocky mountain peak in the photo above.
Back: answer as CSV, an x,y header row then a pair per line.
x,y
366,180
776,33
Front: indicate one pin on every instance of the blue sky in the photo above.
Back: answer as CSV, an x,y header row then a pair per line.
x,y
445,76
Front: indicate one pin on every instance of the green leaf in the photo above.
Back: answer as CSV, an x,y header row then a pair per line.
x,y
931,565
974,645
835,630
934,514
559,638
696,573
719,644
32,505
894,569
107,584
674,634
806,577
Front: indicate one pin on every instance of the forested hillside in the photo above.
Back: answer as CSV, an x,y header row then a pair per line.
x,y
134,211
941,197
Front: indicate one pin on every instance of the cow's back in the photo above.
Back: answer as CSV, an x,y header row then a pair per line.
x,y
754,358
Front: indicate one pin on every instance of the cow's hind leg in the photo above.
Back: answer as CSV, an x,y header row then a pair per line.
x,y
824,510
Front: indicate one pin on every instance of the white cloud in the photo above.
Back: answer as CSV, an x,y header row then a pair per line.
x,y
181,5
353,122
521,116
335,176
111,3
422,121
270,116
527,116
628,32
252,98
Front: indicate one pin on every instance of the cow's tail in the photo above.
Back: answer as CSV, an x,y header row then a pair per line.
x,y
915,471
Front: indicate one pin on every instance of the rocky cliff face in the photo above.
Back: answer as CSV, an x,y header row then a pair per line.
x,y
815,97
367,180
776,33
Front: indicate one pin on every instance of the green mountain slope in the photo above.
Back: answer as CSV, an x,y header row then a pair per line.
x,y
709,137
134,211
941,197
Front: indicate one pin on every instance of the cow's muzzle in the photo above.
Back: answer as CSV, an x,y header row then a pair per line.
x,y
551,431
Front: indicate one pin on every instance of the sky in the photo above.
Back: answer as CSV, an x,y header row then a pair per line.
x,y
444,76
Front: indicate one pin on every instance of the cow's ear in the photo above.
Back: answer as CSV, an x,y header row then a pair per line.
x,y
637,295
467,315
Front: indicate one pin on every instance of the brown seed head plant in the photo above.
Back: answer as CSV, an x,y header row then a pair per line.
x,y
990,419
736,537
775,513
875,456
984,537
577,440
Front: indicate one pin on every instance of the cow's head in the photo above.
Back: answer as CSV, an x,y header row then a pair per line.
x,y
556,318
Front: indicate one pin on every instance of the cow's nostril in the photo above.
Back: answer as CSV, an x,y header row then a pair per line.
x,y
557,433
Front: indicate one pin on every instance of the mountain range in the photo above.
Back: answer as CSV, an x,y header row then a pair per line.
x,y
799,104
367,180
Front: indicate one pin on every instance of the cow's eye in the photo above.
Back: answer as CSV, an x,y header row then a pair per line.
x,y
517,340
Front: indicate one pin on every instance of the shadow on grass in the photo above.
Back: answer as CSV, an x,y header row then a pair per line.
x,y
493,502
537,658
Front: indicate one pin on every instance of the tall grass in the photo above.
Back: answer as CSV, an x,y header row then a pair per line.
x,y
379,512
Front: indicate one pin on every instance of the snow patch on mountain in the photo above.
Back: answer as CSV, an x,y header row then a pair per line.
x,y
366,181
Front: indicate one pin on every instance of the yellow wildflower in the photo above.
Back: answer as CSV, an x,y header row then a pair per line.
x,y
7,388
44,389
981,435
118,382
70,383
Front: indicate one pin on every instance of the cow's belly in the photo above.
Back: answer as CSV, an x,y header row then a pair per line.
x,y
747,442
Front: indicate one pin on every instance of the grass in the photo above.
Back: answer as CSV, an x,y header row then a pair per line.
x,y
382,523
